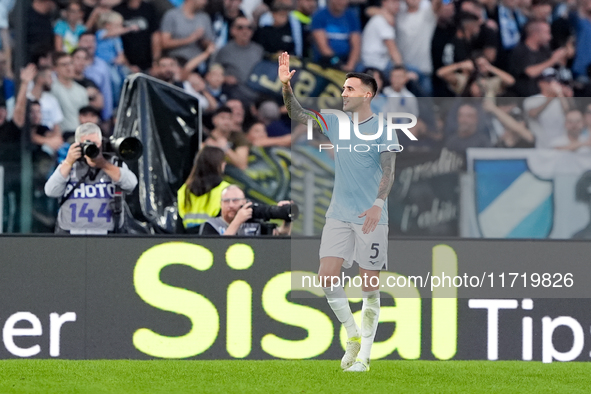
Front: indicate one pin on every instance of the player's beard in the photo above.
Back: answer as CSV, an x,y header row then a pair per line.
x,y
352,104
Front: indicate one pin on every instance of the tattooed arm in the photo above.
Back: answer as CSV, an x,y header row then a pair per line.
x,y
294,109
373,214
387,162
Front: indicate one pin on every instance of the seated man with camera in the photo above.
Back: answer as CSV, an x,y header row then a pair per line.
x,y
242,217
90,182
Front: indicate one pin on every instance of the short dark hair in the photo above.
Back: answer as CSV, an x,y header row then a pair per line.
x,y
365,79
86,33
57,56
398,67
88,110
222,109
75,51
34,102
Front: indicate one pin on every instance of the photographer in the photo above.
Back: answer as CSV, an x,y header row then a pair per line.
x,y
237,217
87,185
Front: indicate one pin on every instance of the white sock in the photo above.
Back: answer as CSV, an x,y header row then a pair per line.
x,y
339,303
369,322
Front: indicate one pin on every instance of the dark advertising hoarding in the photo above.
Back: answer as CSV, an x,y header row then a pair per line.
x,y
142,298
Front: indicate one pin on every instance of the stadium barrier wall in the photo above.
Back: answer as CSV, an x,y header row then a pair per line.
x,y
164,297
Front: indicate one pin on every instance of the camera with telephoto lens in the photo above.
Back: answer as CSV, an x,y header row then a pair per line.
x,y
89,149
127,148
288,212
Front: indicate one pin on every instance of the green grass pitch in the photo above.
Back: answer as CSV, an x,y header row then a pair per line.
x,y
308,376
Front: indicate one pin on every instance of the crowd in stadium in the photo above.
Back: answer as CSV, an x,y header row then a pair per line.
x,y
523,63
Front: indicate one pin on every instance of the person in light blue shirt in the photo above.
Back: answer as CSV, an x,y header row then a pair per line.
x,y
356,228
68,31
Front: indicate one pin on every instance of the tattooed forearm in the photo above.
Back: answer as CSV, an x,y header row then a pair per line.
x,y
387,162
295,110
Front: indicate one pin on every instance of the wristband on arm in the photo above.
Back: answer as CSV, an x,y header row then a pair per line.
x,y
379,202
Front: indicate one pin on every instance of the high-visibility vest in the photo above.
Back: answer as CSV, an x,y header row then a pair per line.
x,y
202,207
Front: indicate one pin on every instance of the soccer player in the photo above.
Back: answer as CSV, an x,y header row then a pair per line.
x,y
356,226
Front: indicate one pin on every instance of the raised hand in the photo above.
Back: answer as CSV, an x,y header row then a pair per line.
x,y
284,73
28,73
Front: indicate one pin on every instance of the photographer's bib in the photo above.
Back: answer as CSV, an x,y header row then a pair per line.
x,y
88,209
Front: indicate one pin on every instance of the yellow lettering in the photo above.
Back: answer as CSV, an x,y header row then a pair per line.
x,y
202,313
239,319
444,313
319,326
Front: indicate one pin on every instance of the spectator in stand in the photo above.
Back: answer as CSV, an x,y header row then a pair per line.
x,y
238,58
415,24
6,85
257,136
223,19
10,130
400,99
510,22
276,35
233,143
336,32
532,56
378,48
69,94
39,38
508,123
467,135
441,50
6,7
545,112
294,26
47,139
303,15
541,10
486,40
99,8
238,114
215,83
98,71
89,114
51,112
186,31
574,139
168,70
109,47
81,60
472,36
582,24
199,198
490,80
269,113
195,86
142,46
67,32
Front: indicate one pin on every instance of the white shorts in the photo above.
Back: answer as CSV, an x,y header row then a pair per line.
x,y
347,241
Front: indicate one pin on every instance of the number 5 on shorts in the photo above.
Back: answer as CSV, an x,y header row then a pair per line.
x,y
374,247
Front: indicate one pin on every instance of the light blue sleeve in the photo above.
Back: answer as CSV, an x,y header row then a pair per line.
x,y
384,137
118,45
332,127
60,28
